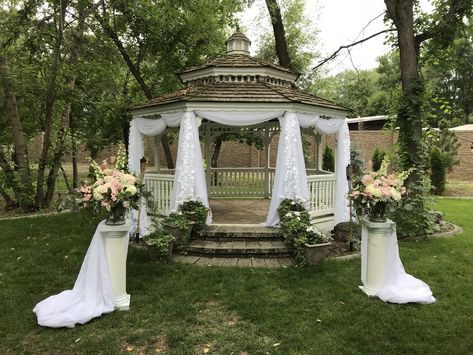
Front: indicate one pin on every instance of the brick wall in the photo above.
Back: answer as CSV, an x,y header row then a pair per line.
x,y
464,171
234,154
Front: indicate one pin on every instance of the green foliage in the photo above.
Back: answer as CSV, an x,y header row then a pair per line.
x,y
161,242
328,159
301,39
438,175
377,158
357,162
195,212
297,229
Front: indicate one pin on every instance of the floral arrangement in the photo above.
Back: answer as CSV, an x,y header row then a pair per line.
x,y
109,186
377,193
296,227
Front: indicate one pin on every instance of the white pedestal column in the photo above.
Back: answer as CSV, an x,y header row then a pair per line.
x,y
116,249
374,272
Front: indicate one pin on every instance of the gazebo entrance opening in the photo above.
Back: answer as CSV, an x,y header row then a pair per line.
x,y
240,195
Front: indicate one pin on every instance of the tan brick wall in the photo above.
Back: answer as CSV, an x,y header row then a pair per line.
x,y
464,171
234,154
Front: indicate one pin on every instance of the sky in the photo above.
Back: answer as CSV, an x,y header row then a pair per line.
x,y
339,22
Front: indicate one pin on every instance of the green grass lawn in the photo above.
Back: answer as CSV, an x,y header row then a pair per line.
x,y
185,309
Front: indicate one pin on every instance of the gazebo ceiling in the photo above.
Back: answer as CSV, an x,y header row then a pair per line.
x,y
238,79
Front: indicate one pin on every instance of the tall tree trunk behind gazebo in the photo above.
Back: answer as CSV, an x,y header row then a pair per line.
x,y
279,33
135,70
409,118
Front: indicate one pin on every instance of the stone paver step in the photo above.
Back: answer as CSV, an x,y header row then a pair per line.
x,y
228,232
270,263
237,248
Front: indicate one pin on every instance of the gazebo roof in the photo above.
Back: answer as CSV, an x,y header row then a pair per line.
x,y
239,92
238,79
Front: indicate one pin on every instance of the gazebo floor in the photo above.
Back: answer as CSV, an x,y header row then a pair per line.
x,y
241,211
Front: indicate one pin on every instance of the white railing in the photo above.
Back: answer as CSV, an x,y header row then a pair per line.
x,y
322,194
245,183
160,187
240,182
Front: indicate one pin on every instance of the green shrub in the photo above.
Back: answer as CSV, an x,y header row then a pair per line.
x,y
328,159
195,212
160,241
438,167
357,162
377,159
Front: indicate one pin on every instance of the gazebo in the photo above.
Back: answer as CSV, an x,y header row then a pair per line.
x,y
233,94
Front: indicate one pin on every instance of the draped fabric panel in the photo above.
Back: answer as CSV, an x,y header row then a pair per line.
x,y
239,118
398,286
291,179
189,178
91,296
340,127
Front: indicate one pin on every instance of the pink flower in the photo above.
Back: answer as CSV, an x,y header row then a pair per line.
x,y
367,179
104,165
86,197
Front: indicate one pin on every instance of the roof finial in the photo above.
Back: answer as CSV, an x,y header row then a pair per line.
x,y
238,43
237,27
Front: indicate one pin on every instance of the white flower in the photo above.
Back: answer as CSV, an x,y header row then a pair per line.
x,y
297,213
131,189
289,214
126,204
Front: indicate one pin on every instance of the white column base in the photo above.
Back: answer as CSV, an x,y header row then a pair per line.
x,y
122,303
370,291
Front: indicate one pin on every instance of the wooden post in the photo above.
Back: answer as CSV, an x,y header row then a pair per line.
x,y
157,154
266,142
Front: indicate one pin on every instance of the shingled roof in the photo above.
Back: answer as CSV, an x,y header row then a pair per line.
x,y
254,92
238,78
237,61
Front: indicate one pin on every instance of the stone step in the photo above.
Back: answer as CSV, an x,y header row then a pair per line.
x,y
241,232
270,263
238,248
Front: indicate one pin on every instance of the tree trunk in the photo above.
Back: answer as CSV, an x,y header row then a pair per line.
x,y
75,48
25,187
409,115
10,204
135,70
75,170
49,106
279,33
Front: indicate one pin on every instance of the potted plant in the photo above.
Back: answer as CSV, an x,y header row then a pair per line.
x,y
196,212
161,243
178,225
308,243
315,245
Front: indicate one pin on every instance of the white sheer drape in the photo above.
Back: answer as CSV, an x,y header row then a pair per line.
x,y
189,181
189,178
239,118
290,180
91,296
340,127
398,286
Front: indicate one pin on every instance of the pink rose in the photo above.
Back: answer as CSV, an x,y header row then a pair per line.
x,y
104,165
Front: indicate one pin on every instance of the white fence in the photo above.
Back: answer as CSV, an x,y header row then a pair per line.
x,y
244,183
240,182
321,194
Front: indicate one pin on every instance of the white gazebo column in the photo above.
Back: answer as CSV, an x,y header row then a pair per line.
x,y
157,154
266,143
208,155
320,154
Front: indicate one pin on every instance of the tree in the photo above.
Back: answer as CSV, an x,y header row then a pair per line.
x,y
409,118
279,33
301,41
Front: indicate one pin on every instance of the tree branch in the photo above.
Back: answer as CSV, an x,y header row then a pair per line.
x,y
442,24
334,54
